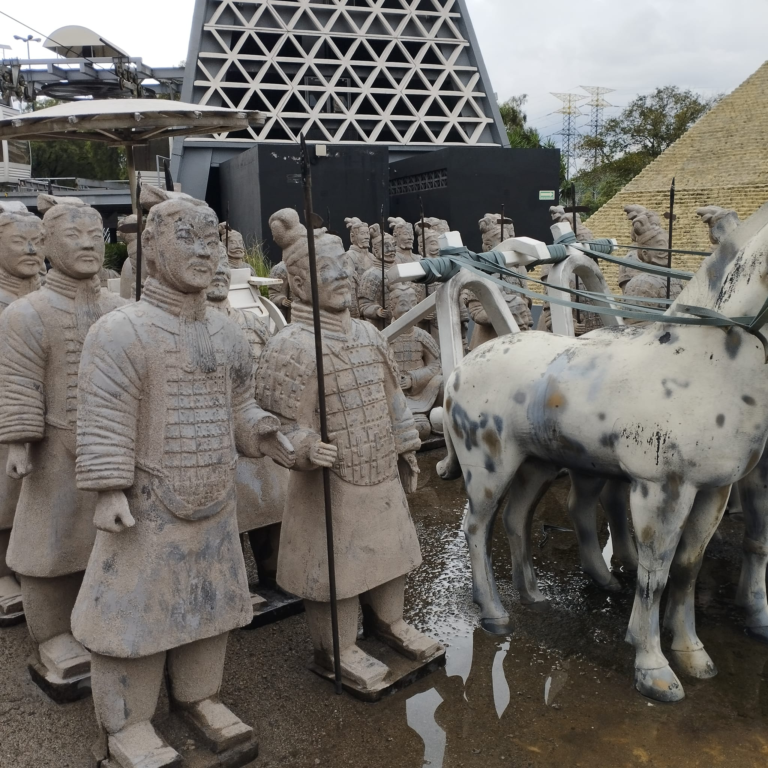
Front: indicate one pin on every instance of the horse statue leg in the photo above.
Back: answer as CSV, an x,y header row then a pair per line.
x,y
751,593
614,501
530,483
582,509
659,513
680,617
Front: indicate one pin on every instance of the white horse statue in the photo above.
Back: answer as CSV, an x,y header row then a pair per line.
x,y
679,411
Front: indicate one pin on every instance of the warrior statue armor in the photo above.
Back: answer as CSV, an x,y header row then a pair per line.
x,y
371,433
41,340
418,359
166,403
21,259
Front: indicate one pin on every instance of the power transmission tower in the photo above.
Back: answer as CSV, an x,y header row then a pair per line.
x,y
570,112
598,104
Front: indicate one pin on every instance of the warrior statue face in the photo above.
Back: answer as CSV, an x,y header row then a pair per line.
x,y
182,245
389,248
404,237
334,273
75,240
236,246
21,245
218,290
361,237
402,298
433,245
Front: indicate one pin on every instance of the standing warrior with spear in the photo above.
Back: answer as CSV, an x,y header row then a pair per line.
x,y
367,435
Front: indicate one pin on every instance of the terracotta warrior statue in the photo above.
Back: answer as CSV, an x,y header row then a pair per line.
x,y
360,255
558,214
433,229
371,432
261,483
647,232
369,293
236,247
127,231
519,306
418,359
721,222
165,406
21,258
402,231
41,339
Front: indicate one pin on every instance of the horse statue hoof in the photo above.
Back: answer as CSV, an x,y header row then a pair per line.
x,y
757,633
612,585
659,684
696,664
497,626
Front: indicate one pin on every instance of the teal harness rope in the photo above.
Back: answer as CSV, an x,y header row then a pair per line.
x,y
487,265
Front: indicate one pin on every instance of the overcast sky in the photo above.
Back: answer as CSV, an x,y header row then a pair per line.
x,y
529,47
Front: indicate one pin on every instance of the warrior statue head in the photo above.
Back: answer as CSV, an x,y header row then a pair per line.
x,y
128,233
402,231
235,243
334,270
721,222
359,233
74,236
490,229
22,237
402,298
389,244
218,290
434,228
559,214
647,232
181,242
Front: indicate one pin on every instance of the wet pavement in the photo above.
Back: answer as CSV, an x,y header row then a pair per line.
x,y
557,692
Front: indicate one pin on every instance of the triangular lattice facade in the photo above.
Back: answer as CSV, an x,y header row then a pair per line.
x,y
396,72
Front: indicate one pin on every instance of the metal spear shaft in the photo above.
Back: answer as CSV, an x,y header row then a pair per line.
x,y
423,231
306,177
139,228
671,224
502,222
576,234
383,270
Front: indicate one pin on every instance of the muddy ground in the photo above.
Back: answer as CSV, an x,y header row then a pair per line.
x,y
558,692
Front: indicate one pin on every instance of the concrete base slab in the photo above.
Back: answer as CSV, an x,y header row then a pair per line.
x,y
402,672
276,606
191,746
60,690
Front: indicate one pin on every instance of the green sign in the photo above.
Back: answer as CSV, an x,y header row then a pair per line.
x,y
546,194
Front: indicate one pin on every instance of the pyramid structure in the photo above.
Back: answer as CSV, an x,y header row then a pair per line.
x,y
722,160
394,72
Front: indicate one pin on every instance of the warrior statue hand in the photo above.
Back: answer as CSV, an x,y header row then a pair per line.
x,y
323,454
112,512
278,447
384,314
409,471
19,461
406,382
287,303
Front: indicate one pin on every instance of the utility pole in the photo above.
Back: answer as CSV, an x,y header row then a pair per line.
x,y
570,112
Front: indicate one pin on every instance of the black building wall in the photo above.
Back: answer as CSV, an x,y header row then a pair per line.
x,y
462,184
350,181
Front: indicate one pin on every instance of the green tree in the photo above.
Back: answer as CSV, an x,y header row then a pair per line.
x,y
521,135
81,159
644,129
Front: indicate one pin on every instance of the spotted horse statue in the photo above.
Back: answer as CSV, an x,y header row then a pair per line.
x,y
526,404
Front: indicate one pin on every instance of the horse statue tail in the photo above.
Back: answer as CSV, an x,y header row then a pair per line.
x,y
449,468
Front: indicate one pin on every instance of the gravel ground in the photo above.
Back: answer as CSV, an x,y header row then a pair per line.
x,y
558,692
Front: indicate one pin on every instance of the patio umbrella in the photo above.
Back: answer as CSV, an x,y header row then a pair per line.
x,y
125,122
